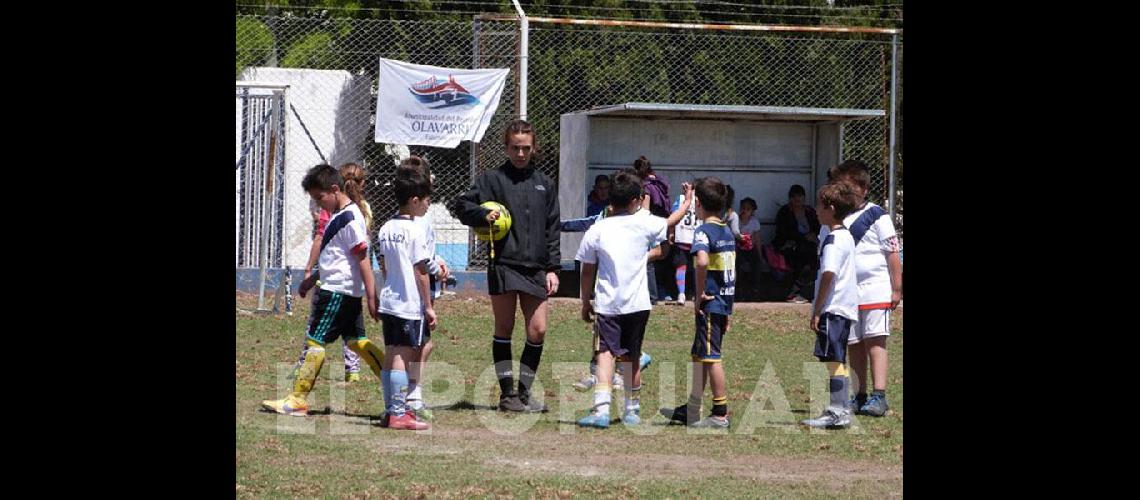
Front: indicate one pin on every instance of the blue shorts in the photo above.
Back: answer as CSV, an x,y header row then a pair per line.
x,y
621,334
710,331
335,315
831,337
404,332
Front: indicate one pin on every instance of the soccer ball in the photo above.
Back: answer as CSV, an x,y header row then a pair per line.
x,y
501,225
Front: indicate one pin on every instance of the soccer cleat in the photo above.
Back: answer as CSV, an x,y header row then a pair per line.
x,y
407,422
631,417
645,360
531,405
420,410
292,406
830,419
857,402
352,376
710,422
586,383
876,406
679,414
511,402
594,420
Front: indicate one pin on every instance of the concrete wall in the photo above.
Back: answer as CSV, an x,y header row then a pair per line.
x,y
761,160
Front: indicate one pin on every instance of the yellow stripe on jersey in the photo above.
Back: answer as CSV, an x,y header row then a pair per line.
x,y
722,261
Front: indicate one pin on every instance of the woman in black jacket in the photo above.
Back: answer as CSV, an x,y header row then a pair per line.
x,y
797,230
527,260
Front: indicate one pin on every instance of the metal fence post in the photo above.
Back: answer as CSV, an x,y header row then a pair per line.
x,y
524,32
891,160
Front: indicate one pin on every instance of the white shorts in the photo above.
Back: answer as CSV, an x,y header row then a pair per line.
x,y
872,323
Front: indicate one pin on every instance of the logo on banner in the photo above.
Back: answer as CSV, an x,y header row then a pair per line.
x,y
449,93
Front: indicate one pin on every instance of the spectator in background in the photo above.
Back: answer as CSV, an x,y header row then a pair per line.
x,y
599,197
797,227
748,250
657,190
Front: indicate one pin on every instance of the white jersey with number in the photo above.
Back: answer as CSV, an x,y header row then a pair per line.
x,y
875,238
401,244
685,229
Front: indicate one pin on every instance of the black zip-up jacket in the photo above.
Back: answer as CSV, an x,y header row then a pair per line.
x,y
532,198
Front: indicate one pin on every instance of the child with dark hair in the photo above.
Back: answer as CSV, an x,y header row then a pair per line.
x,y
346,277
657,190
714,251
617,248
878,269
405,305
834,310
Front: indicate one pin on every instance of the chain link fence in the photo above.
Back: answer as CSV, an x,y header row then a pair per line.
x,y
331,66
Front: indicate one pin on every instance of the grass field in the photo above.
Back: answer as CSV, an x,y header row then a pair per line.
x,y
475,451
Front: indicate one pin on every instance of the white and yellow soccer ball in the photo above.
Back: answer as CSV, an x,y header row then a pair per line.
x,y
501,225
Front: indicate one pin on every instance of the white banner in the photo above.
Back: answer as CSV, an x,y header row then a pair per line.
x,y
434,106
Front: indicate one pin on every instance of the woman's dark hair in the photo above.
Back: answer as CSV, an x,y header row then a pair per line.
x,y
796,190
642,167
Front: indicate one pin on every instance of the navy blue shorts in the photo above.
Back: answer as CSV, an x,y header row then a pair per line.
x,y
621,334
335,315
710,332
831,337
404,332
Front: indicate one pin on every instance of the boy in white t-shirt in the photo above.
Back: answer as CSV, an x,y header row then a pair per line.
x,y
346,277
617,248
405,299
878,269
835,306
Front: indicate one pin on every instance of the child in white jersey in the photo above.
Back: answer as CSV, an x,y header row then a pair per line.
x,y
836,298
405,299
618,248
878,269
346,276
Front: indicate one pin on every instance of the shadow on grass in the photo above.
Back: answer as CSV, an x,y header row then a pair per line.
x,y
464,405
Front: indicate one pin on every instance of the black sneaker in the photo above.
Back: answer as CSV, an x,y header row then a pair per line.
x,y
531,405
679,414
511,402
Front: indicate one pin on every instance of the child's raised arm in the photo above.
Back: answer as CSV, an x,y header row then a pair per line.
x,y
679,213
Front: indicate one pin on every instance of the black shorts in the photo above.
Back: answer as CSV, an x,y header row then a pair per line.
x,y
335,315
504,278
404,332
621,334
710,332
680,256
831,337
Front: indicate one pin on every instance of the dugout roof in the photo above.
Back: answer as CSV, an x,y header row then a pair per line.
x,y
759,113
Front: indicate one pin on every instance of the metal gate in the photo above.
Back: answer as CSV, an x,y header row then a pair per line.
x,y
259,172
